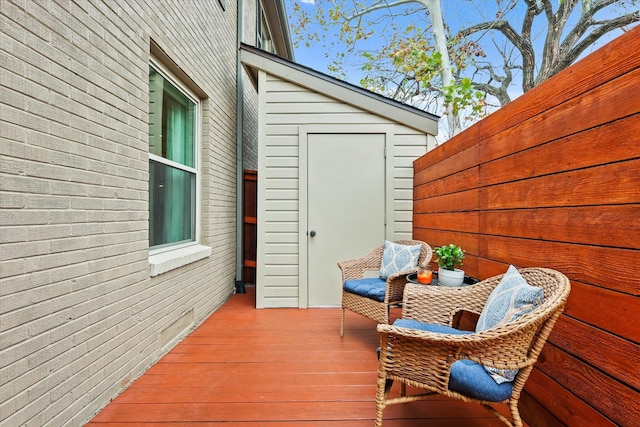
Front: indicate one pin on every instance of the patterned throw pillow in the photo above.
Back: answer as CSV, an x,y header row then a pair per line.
x,y
509,301
397,258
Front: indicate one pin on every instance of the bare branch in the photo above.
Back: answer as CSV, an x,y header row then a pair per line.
x,y
377,6
500,92
603,28
555,26
547,8
534,8
500,25
523,44
585,22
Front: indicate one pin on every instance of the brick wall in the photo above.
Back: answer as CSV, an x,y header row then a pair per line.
x,y
80,317
250,119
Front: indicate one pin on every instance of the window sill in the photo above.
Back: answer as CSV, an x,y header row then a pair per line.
x,y
167,261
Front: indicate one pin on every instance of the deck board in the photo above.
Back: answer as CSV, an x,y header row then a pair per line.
x,y
274,368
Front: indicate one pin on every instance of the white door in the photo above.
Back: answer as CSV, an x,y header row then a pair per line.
x,y
346,207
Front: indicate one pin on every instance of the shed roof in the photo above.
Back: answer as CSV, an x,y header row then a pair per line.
x,y
254,59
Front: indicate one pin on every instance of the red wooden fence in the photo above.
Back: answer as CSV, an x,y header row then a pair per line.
x,y
553,180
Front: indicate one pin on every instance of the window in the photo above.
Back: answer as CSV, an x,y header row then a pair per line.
x,y
173,162
264,34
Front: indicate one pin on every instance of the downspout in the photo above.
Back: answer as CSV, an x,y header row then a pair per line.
x,y
239,150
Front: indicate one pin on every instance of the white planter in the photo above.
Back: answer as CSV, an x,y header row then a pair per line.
x,y
450,278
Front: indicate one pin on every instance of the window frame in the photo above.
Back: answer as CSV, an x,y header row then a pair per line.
x,y
196,170
264,38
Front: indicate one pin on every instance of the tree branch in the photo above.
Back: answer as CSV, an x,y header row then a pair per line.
x,y
500,25
534,9
523,44
586,20
501,92
555,26
603,28
378,6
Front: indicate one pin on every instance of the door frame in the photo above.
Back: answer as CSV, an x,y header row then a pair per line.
x,y
303,162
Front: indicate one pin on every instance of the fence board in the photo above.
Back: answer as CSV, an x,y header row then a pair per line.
x,y
460,181
576,151
565,406
599,390
614,226
578,261
461,201
605,309
616,356
602,105
454,221
615,183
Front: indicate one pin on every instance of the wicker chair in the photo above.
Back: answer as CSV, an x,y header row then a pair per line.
x,y
424,359
368,307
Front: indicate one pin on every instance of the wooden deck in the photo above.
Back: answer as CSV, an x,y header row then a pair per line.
x,y
275,367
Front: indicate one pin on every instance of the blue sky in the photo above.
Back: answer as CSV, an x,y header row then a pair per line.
x,y
457,14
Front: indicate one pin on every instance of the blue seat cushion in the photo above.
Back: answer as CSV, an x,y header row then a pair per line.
x,y
467,377
429,327
370,287
472,380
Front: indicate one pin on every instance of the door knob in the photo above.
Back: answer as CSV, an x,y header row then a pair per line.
x,y
312,233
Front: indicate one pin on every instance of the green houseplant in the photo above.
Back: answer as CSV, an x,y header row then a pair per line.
x,y
449,257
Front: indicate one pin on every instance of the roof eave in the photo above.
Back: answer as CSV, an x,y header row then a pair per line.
x,y
275,13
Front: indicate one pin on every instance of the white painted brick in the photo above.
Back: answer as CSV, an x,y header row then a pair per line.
x,y
23,382
26,413
22,350
13,234
12,268
10,407
76,185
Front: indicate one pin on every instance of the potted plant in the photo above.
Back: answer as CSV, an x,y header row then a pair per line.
x,y
448,258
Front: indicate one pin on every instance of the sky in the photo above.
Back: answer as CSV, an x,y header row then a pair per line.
x,y
456,13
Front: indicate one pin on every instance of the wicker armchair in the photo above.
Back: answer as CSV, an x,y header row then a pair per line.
x,y
424,359
368,307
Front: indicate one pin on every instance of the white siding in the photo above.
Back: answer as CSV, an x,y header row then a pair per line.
x,y
285,107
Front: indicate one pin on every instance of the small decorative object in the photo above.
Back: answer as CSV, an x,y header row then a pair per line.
x,y
448,258
425,275
509,301
397,258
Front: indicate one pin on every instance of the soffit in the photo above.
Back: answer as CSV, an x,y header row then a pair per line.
x,y
275,13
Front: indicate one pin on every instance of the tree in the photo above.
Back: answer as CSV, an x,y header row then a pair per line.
x,y
521,44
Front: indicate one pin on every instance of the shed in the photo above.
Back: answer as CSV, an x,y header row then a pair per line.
x,y
335,177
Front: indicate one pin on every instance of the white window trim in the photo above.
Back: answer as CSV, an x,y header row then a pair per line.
x,y
164,259
175,258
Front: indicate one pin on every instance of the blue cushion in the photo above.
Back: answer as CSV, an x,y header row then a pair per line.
x,y
472,380
370,287
397,258
467,377
429,327
509,301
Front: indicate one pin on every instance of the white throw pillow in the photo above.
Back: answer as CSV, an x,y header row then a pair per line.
x,y
397,258
509,301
